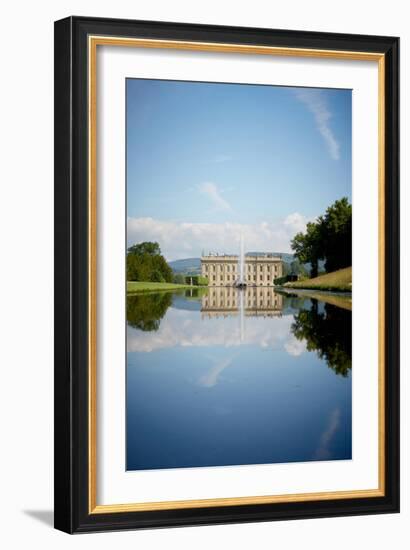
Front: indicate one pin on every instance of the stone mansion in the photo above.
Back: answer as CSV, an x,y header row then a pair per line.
x,y
223,270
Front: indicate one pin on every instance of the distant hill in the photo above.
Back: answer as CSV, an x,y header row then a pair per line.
x,y
186,266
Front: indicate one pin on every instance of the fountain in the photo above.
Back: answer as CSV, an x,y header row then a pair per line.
x,y
240,283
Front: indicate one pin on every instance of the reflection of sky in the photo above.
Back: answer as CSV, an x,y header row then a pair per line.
x,y
322,452
210,378
198,395
186,328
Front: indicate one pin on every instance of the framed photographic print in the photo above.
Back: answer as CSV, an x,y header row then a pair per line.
x,y
226,274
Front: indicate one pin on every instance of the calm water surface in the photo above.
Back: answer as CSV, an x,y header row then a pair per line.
x,y
225,377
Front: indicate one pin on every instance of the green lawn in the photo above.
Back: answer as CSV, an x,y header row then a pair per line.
x,y
340,280
142,286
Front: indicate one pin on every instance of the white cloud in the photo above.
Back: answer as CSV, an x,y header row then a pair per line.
x,y
295,222
316,103
185,329
183,240
214,195
294,346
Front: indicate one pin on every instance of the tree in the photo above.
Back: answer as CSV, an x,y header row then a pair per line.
x,y
159,264
308,247
286,269
337,242
196,280
296,268
145,263
179,278
150,248
156,277
133,271
328,238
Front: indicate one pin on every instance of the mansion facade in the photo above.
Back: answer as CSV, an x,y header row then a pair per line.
x,y
255,301
223,270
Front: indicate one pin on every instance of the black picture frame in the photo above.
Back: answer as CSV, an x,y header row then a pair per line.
x,y
71,493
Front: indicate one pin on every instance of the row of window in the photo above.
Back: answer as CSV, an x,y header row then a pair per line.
x,y
249,268
248,278
229,292
249,304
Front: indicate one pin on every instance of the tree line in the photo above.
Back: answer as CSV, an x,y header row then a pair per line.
x,y
146,263
329,238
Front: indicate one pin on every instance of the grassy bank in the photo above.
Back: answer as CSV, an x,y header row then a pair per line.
x,y
340,300
339,281
142,286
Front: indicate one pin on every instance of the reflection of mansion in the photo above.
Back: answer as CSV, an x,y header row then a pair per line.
x,y
258,270
222,301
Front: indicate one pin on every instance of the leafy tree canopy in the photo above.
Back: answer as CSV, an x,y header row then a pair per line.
x,y
150,248
329,238
145,263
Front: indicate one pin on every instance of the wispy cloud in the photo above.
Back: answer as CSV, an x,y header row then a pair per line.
x,y
211,190
210,379
317,105
221,158
183,240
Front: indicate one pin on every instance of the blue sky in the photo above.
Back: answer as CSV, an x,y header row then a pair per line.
x,y
206,160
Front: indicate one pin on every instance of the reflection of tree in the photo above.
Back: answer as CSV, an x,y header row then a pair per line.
x,y
328,333
145,311
195,292
295,302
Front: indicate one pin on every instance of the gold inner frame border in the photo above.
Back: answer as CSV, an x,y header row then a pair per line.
x,y
93,43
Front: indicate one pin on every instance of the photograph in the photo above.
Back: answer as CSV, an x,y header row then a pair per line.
x,y
238,274
217,273
227,274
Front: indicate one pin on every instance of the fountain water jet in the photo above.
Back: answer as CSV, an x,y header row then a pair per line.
x,y
241,281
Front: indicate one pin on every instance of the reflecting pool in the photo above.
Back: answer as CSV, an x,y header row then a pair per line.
x,y
220,376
